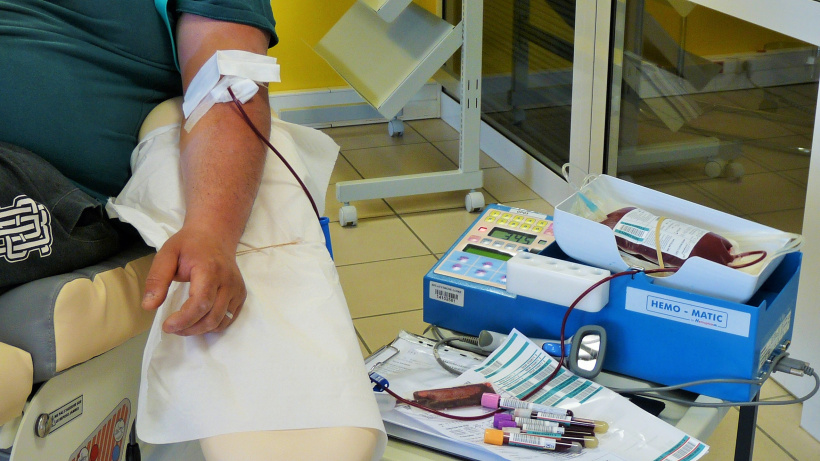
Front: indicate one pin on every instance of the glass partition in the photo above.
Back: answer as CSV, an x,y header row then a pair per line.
x,y
527,73
712,109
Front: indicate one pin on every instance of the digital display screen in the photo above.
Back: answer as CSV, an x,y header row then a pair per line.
x,y
487,252
512,236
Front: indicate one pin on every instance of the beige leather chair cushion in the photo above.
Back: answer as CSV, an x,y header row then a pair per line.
x,y
15,381
94,316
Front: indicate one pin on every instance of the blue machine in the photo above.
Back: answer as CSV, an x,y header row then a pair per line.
x,y
656,333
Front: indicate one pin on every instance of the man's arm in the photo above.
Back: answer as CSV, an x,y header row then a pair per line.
x,y
221,161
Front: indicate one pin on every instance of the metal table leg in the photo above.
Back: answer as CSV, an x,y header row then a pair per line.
x,y
746,429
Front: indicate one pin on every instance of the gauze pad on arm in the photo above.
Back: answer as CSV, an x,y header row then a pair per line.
x,y
241,71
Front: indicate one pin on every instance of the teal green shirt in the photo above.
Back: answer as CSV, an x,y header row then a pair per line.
x,y
78,77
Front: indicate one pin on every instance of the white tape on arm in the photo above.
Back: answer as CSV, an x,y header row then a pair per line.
x,y
241,71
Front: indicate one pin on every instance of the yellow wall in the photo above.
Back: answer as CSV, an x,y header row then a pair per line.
x,y
301,24
709,32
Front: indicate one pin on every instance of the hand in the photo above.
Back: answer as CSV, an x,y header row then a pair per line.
x,y
204,259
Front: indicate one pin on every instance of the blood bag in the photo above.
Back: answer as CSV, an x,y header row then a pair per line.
x,y
667,242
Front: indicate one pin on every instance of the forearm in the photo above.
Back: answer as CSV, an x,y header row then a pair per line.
x,y
222,161
221,157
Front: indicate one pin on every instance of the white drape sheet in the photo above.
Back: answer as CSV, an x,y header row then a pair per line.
x,y
290,360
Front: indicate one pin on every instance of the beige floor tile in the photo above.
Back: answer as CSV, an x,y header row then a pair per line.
x,y
375,239
692,194
782,423
538,205
434,129
722,443
771,390
744,126
343,171
799,176
363,348
364,208
440,229
374,135
380,330
766,153
398,160
696,171
385,287
651,176
451,149
785,220
505,187
430,202
653,132
797,95
753,193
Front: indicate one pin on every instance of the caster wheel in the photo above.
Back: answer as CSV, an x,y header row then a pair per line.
x,y
734,170
395,128
347,216
714,168
474,201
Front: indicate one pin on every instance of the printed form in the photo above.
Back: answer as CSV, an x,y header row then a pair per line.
x,y
514,370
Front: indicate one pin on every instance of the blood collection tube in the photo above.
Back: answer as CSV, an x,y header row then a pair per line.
x,y
495,401
498,437
578,424
504,421
586,440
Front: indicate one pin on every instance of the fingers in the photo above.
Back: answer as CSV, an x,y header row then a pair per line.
x,y
206,308
202,297
162,272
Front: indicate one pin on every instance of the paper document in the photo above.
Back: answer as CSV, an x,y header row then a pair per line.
x,y
514,370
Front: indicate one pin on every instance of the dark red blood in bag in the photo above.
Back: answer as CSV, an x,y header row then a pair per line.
x,y
711,246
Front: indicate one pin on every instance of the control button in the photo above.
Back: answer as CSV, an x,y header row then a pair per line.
x,y
529,220
513,224
486,241
474,238
480,273
541,223
523,248
509,246
487,265
503,221
525,226
482,229
504,278
490,219
506,216
537,229
518,218
456,267
542,242
495,213
463,259
498,244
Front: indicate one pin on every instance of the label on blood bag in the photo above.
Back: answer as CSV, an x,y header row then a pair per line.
x,y
446,293
689,312
677,238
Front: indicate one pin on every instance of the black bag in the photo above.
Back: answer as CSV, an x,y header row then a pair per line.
x,y
47,225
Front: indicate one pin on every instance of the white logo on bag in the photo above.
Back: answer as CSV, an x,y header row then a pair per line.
x,y
25,226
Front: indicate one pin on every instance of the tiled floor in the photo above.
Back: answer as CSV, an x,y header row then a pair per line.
x,y
381,261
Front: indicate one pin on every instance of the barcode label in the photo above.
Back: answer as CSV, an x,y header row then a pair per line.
x,y
635,233
687,449
447,294
532,441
